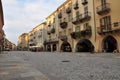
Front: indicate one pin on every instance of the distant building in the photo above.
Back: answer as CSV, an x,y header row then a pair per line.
x,y
23,42
37,37
8,45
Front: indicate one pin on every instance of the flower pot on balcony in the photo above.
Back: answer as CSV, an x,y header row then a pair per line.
x,y
73,35
78,34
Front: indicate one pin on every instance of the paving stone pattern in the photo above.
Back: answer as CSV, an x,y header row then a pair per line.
x,y
70,66
14,68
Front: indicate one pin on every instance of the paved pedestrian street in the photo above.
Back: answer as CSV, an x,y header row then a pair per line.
x,y
14,68
25,65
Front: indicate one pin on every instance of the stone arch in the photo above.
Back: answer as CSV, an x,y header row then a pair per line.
x,y
66,47
109,44
84,45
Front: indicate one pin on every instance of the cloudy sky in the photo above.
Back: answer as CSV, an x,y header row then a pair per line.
x,y
21,16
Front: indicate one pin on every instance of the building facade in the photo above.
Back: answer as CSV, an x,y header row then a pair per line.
x,y
8,45
23,42
51,40
83,35
83,26
107,25
37,37
65,26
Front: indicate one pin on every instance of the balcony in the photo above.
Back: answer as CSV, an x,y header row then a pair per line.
x,y
81,18
63,37
103,9
113,28
77,20
86,16
76,6
84,2
60,15
63,24
68,10
82,33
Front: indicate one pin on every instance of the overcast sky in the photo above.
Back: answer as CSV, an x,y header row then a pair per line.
x,y
21,16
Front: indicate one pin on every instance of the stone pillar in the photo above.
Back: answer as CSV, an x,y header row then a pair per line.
x,y
51,47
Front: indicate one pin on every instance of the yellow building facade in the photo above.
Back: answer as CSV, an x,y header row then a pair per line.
x,y
51,40
83,35
37,37
23,42
83,26
107,25
65,26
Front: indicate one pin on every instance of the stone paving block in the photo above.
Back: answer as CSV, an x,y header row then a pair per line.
x,y
28,74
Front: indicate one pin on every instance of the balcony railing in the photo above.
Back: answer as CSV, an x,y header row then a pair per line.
x,y
81,18
84,2
76,6
77,19
82,33
63,24
86,16
63,37
68,10
103,9
102,29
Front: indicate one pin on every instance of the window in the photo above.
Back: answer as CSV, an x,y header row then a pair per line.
x,y
77,29
105,22
69,30
64,33
64,19
103,2
86,10
60,20
60,33
85,26
69,17
64,10
77,13
53,20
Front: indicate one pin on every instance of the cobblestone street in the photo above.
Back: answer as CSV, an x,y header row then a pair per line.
x,y
59,66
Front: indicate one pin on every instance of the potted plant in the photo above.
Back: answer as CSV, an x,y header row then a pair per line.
x,y
73,35
78,34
